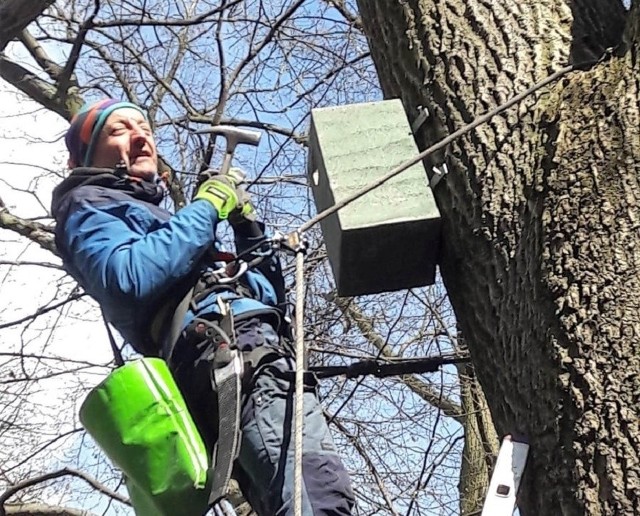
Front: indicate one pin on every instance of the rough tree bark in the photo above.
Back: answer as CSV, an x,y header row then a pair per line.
x,y
541,219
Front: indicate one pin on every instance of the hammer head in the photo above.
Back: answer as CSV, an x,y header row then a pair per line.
x,y
234,136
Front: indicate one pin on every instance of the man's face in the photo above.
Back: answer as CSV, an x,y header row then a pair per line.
x,y
126,136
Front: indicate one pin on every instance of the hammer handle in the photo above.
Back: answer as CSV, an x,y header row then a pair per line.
x,y
226,164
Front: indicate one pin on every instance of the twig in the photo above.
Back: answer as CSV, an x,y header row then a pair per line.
x,y
43,310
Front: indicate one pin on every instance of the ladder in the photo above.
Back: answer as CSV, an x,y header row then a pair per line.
x,y
505,481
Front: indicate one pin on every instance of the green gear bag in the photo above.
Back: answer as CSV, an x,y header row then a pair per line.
x,y
139,418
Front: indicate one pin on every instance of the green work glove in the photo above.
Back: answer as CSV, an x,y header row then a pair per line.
x,y
221,192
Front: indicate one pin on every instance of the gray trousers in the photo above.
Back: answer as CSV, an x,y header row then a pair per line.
x,y
266,461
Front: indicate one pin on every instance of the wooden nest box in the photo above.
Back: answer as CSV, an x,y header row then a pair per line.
x,y
389,239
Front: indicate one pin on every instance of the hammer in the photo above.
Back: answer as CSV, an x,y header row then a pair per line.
x,y
233,136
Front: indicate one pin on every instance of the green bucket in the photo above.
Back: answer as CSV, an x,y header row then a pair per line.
x,y
139,418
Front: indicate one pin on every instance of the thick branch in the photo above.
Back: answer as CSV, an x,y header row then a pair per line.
x,y
66,78
480,443
38,509
39,54
34,231
353,18
41,91
16,15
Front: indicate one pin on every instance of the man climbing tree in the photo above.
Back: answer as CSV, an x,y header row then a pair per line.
x,y
139,262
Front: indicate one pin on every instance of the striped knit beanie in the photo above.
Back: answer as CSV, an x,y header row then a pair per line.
x,y
86,125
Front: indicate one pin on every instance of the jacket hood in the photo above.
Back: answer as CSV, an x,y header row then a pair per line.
x,y
149,191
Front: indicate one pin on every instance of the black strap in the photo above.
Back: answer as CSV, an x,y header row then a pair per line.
x,y
117,354
171,334
227,383
229,367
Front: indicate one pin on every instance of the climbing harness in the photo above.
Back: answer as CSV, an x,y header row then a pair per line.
x,y
230,367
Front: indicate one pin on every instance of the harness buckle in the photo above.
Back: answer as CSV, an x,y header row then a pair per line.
x,y
229,272
291,243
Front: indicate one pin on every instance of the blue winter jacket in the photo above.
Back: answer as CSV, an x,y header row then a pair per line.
x,y
136,259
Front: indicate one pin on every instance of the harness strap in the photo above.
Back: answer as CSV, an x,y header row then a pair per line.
x,y
230,369
166,336
227,383
169,339
226,373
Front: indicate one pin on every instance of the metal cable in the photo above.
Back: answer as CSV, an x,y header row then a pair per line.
x,y
437,146
299,393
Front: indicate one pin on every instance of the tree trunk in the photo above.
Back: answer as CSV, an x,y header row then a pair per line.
x,y
541,216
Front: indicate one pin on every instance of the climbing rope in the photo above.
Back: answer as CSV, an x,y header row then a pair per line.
x,y
299,393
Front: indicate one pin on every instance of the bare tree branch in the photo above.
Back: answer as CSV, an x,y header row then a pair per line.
x,y
353,18
298,138
425,391
370,464
36,264
43,310
40,56
41,91
267,39
144,22
34,231
38,509
66,78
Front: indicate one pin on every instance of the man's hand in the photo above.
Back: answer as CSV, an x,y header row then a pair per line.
x,y
221,192
245,210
